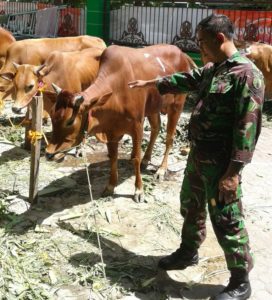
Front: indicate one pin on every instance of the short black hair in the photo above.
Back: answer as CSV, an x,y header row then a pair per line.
x,y
217,23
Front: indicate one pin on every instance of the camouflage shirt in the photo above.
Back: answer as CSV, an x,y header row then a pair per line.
x,y
228,106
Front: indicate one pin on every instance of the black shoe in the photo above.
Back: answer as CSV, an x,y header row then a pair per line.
x,y
179,260
238,291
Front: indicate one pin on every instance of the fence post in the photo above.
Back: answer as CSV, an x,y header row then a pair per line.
x,y
98,18
28,117
37,109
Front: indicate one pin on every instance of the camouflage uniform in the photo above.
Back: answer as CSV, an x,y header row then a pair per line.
x,y
224,127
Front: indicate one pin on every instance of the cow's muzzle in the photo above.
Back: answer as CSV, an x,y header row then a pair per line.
x,y
56,156
16,110
49,156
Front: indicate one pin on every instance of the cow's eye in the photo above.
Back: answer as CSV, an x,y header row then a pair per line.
x,y
29,87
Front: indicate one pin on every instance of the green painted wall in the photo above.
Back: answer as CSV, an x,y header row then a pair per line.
x,y
98,22
196,58
98,18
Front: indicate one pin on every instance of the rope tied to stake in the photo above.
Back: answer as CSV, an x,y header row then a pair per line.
x,y
34,136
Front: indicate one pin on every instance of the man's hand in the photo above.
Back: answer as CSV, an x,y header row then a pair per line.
x,y
227,189
142,83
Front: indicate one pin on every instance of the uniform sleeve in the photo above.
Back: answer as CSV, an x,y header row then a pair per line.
x,y
181,82
248,116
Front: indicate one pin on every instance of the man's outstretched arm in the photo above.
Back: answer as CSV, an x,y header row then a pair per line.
x,y
143,83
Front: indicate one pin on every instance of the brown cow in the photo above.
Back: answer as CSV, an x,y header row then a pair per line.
x,y
74,71
36,51
109,108
6,39
261,55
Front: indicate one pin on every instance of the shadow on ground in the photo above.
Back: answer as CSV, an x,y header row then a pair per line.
x,y
137,273
68,191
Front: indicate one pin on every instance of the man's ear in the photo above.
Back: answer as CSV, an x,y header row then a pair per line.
x,y
220,37
7,76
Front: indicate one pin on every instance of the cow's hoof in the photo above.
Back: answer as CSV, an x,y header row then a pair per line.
x,y
78,152
139,196
145,161
184,151
108,191
159,175
144,164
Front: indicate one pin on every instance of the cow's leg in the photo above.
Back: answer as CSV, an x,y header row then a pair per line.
x,y
173,113
113,155
136,140
155,123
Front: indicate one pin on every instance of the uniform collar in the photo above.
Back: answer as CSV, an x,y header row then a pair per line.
x,y
230,60
234,57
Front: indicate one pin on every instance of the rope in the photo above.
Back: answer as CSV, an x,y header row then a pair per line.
x,y
92,201
24,122
34,136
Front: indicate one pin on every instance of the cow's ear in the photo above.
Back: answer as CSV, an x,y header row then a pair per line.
x,y
103,99
7,76
37,70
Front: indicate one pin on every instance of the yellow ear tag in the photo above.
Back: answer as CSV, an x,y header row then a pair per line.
x,y
41,87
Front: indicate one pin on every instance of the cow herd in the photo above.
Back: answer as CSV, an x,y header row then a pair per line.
x,y
85,89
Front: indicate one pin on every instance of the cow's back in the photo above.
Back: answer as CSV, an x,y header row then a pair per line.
x,y
125,64
6,39
74,70
35,51
145,63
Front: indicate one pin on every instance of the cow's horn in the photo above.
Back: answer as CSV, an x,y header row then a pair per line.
x,y
78,100
16,66
38,69
56,88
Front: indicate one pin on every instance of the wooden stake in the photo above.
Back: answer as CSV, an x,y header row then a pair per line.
x,y
27,145
37,107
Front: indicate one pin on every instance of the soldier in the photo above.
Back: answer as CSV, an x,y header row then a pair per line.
x,y
223,130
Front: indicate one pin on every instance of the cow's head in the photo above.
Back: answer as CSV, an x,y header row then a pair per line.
x,y
67,116
70,120
26,82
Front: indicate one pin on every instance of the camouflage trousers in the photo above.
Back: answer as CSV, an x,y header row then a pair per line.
x,y
199,188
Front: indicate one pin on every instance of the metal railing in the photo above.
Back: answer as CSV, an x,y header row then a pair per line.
x,y
26,20
138,23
